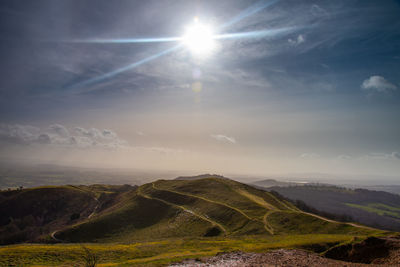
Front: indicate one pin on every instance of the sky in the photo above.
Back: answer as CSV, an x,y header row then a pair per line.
x,y
286,86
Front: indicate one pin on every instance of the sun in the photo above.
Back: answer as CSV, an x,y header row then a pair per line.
x,y
199,38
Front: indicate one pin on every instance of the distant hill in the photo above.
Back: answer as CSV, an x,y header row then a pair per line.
x,y
374,208
201,176
394,189
273,182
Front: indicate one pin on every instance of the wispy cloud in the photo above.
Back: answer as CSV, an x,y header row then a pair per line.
x,y
309,155
59,135
299,40
382,156
377,84
344,157
224,138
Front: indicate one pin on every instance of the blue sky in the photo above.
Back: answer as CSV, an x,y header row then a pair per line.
x,y
318,93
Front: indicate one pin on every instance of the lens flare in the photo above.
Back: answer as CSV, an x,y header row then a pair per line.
x,y
199,38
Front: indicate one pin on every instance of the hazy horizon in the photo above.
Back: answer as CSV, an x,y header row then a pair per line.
x,y
263,88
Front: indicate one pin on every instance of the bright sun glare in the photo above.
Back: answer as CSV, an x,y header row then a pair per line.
x,y
199,38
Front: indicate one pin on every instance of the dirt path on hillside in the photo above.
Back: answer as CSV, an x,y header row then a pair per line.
x,y
205,199
333,221
52,235
267,226
182,208
95,208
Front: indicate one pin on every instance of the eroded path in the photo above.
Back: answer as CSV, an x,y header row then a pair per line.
x,y
213,223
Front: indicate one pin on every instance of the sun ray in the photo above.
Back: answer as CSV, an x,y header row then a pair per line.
x,y
199,38
123,69
128,40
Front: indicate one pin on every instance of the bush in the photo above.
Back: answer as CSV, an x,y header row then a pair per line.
x,y
89,257
74,216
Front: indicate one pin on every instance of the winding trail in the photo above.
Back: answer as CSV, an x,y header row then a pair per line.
x,y
95,208
213,223
267,226
333,221
55,238
205,199
249,196
52,235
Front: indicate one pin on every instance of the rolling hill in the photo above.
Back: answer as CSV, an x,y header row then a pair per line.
x,y
198,208
373,208
164,221
28,215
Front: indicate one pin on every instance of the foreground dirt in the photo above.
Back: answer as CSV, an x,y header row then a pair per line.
x,y
281,257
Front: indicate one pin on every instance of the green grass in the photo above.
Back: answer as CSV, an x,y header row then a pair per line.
x,y
140,219
289,222
231,219
378,208
198,208
157,253
221,193
167,221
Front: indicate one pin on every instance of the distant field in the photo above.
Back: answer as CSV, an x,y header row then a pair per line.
x,y
158,253
42,175
378,208
372,208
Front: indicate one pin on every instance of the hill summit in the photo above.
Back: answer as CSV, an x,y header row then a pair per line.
x,y
201,176
198,206
201,207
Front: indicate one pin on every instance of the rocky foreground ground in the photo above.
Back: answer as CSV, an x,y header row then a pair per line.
x,y
281,257
370,252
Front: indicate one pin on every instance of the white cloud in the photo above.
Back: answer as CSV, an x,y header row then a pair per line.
x,y
159,150
21,134
224,138
299,40
377,84
382,156
344,157
309,156
318,11
58,129
59,135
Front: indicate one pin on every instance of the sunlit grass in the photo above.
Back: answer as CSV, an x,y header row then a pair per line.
x,y
156,253
378,208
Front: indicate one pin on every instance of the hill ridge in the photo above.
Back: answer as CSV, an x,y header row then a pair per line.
x,y
210,206
181,207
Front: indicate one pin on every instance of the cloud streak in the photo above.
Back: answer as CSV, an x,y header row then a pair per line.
x,y
224,138
59,135
383,156
310,156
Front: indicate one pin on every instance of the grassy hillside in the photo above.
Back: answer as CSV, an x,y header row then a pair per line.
x,y
373,208
379,208
31,214
162,222
198,208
